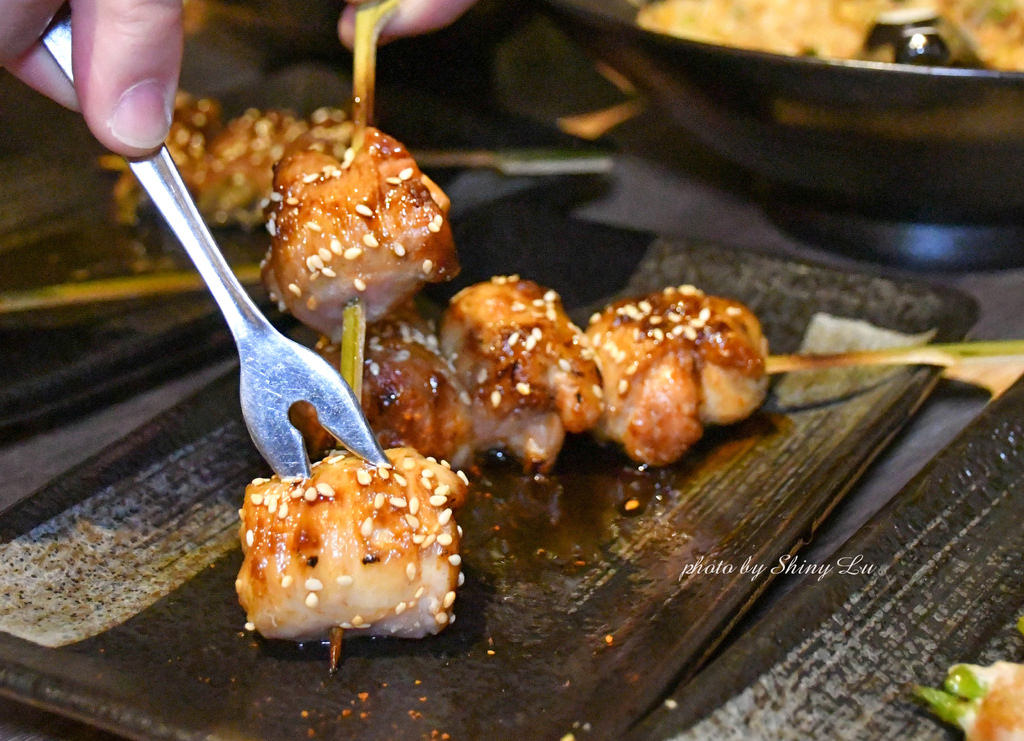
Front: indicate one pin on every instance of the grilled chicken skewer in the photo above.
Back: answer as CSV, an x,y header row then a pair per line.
x,y
526,366
678,360
371,226
354,546
228,166
671,363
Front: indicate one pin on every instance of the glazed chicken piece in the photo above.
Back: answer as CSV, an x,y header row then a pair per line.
x,y
411,396
353,547
671,363
370,226
529,370
229,168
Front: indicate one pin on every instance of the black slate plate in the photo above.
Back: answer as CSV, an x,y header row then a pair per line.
x,y
838,658
575,615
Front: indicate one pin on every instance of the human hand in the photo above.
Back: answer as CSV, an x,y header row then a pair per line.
x,y
126,55
412,17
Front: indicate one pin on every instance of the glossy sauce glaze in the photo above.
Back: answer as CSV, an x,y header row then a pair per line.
x,y
671,363
528,369
353,547
370,226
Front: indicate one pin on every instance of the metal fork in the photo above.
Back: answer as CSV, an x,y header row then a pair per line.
x,y
275,372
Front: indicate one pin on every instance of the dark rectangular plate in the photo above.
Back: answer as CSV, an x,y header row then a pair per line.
x,y
575,614
838,658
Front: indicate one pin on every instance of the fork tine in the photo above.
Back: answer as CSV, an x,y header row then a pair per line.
x,y
276,373
347,423
337,407
278,441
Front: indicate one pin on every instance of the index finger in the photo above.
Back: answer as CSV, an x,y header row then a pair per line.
x,y
412,17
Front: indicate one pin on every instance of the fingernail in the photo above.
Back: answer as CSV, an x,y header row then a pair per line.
x,y
142,116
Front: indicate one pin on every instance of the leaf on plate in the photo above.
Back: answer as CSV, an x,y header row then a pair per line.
x,y
826,333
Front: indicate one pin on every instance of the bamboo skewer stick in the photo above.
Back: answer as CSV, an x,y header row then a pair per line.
x,y
993,365
336,635
353,340
942,354
370,19
114,289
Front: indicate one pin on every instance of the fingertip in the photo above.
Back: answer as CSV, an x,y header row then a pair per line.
x,y
346,26
141,118
127,60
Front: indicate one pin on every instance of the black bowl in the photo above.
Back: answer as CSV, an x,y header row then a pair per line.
x,y
897,141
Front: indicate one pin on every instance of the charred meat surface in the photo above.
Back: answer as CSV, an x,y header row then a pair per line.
x,y
528,369
353,547
369,226
411,396
671,363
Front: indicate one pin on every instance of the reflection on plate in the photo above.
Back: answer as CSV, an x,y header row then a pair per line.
x,y
577,612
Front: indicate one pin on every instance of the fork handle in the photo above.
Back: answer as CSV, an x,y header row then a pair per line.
x,y
161,180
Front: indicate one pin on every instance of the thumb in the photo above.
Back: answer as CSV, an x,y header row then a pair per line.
x,y
127,57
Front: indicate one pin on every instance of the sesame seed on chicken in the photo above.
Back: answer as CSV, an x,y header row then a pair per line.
x,y
671,363
355,547
369,226
228,168
528,369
